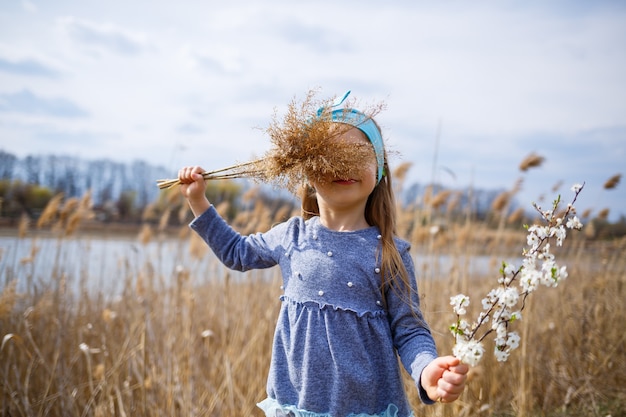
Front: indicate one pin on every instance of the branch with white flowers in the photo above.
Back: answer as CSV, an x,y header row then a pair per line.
x,y
504,304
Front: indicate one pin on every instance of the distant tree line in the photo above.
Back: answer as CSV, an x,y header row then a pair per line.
x,y
127,192
73,176
27,184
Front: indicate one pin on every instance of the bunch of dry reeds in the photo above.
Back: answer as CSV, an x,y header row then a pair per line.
x,y
303,148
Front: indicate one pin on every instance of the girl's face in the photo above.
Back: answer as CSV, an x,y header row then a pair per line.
x,y
353,190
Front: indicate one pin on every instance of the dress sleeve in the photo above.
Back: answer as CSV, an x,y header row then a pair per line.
x,y
235,251
411,335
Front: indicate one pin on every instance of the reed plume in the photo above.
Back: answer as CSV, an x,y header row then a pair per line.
x,y
556,186
531,161
501,201
440,199
612,182
516,216
603,214
50,212
400,172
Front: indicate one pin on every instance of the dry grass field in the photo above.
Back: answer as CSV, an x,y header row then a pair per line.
x,y
196,340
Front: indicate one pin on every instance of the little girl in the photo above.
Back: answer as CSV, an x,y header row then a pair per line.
x,y
350,300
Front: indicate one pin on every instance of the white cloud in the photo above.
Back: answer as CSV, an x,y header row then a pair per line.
x,y
26,102
104,36
28,66
29,6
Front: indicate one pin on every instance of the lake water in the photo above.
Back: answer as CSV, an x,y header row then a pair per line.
x,y
108,264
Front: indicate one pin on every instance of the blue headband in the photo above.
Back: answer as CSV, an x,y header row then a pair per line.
x,y
365,124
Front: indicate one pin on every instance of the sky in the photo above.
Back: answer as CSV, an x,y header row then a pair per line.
x,y
470,88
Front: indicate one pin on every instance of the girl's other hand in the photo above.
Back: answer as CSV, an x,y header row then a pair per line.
x,y
444,379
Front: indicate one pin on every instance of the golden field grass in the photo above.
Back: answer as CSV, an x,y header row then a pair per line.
x,y
196,341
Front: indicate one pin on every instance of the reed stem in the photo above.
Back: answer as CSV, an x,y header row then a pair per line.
x,y
236,171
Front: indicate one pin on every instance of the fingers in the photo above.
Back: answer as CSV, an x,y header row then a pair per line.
x,y
452,364
189,174
461,369
452,382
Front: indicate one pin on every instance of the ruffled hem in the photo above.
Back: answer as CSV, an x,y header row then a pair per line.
x,y
272,408
381,313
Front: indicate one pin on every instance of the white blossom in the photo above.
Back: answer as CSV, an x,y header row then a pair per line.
x,y
563,273
509,297
533,240
458,303
576,188
501,355
508,273
501,331
487,303
529,280
560,235
470,352
574,223
513,340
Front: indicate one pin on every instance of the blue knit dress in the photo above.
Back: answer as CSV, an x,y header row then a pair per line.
x,y
335,343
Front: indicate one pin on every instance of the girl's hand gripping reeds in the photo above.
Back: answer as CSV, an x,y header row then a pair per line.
x,y
192,187
444,379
